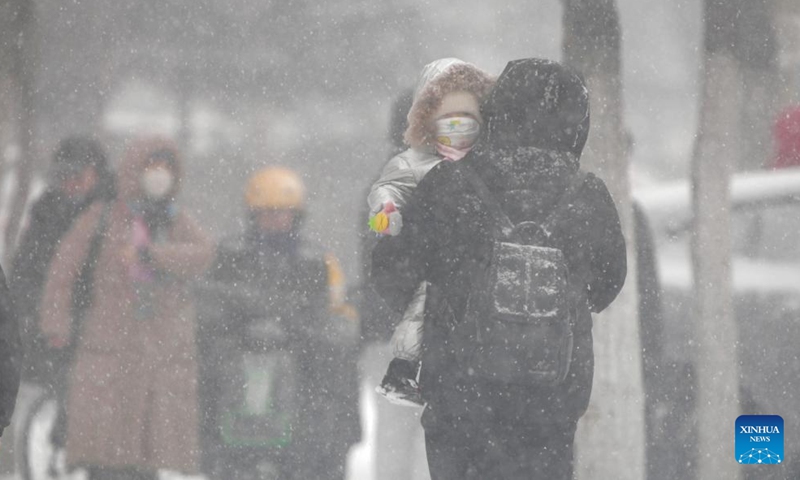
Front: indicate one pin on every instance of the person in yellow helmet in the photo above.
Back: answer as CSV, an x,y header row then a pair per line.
x,y
281,379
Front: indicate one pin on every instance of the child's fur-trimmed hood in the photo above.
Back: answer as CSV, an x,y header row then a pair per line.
x,y
439,78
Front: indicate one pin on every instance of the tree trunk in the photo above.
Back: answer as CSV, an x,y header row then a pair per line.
x,y
786,19
757,50
610,441
20,96
716,154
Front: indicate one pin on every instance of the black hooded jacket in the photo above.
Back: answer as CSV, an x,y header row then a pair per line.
x,y
50,218
537,124
283,277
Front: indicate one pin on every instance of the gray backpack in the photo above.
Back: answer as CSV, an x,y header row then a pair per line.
x,y
523,304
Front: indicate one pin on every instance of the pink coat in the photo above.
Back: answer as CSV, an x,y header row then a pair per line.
x,y
787,138
132,397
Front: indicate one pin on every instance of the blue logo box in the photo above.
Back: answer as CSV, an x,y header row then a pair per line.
x,y
759,439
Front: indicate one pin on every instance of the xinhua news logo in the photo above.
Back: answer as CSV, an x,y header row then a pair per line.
x,y
759,439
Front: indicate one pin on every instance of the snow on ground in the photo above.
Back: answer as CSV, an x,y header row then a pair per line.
x,y
359,465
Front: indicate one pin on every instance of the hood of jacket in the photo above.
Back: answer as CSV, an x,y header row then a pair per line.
x,y
439,78
138,157
537,122
538,103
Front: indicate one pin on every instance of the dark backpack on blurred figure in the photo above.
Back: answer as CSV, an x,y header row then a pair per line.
x,y
517,328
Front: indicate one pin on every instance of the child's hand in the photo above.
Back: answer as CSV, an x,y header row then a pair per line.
x,y
388,221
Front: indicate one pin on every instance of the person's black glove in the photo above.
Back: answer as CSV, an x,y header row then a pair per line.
x,y
401,369
399,385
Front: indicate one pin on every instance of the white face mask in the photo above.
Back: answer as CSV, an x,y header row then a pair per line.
x,y
457,132
157,183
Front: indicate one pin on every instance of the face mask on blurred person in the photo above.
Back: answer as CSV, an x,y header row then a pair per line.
x,y
156,183
455,136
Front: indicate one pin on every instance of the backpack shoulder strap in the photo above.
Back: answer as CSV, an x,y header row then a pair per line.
x,y
503,224
97,238
572,190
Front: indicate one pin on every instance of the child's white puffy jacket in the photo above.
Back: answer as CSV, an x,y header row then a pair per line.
x,y
400,177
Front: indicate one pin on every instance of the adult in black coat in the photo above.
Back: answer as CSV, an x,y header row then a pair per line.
x,y
9,355
537,124
79,175
274,301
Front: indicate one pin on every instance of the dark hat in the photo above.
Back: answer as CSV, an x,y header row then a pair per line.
x,y
75,154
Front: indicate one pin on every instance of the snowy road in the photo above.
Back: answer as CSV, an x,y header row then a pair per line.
x,y
359,463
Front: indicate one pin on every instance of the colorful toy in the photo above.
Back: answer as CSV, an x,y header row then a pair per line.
x,y
386,222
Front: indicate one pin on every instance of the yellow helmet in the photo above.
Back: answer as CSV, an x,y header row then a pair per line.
x,y
275,187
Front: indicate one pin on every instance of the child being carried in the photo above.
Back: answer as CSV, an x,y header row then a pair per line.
x,y
444,123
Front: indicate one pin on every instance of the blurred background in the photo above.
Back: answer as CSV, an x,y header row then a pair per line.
x,y
244,83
